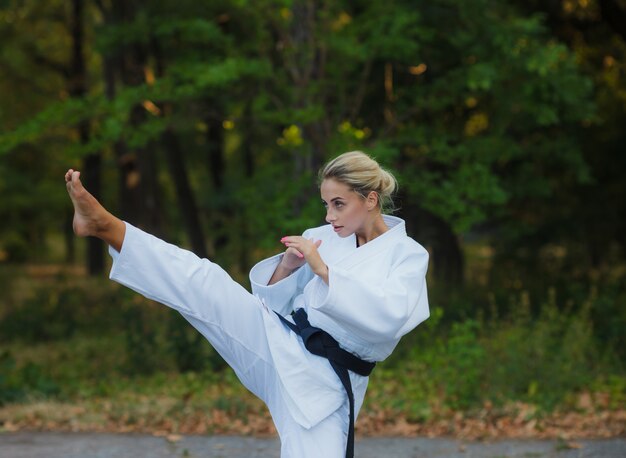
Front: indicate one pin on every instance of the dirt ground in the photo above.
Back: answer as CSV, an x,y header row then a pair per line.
x,y
26,444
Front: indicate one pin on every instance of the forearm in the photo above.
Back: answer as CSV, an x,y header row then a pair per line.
x,y
111,230
323,273
280,273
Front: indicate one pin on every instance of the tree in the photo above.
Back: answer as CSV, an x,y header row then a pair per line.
x,y
475,105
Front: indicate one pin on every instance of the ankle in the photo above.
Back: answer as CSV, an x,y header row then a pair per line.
x,y
101,224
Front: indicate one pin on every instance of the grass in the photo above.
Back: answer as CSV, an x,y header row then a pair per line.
x,y
92,355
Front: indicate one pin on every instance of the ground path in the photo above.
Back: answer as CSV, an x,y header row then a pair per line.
x,y
100,445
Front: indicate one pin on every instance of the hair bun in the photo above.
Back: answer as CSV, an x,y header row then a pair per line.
x,y
362,174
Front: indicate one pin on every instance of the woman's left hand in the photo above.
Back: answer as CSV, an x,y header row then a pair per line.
x,y
308,248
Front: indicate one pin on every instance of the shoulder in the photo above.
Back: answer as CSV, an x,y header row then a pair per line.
x,y
407,249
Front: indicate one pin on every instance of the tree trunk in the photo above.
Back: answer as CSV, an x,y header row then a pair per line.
x,y
307,65
184,194
68,231
430,230
139,196
248,161
95,247
215,149
178,171
91,164
217,167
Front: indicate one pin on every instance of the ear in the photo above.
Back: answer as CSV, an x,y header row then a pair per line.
x,y
372,200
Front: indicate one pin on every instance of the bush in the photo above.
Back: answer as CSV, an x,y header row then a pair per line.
x,y
186,345
49,315
544,359
18,382
190,349
142,351
464,363
58,311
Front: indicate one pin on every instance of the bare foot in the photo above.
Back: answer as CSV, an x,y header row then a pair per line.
x,y
88,213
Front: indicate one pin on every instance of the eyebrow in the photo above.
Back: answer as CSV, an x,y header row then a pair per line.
x,y
333,199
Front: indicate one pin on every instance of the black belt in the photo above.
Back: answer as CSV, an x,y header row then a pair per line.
x,y
321,343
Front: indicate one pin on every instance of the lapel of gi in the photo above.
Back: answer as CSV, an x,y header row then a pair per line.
x,y
397,230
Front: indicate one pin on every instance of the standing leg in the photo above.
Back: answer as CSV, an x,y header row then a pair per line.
x,y
327,439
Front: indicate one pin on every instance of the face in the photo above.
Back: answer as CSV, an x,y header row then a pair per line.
x,y
346,210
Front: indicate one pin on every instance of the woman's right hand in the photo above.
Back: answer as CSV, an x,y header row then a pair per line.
x,y
292,259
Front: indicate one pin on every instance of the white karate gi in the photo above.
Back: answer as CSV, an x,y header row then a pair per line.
x,y
376,294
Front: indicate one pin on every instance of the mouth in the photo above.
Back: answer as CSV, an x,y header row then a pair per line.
x,y
337,228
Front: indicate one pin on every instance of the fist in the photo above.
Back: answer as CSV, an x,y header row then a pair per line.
x,y
297,250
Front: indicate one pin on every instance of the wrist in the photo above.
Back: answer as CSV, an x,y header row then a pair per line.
x,y
321,271
285,269
281,272
288,267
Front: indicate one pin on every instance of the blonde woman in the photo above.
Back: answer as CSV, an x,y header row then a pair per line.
x,y
320,315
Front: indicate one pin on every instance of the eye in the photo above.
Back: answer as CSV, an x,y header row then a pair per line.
x,y
339,204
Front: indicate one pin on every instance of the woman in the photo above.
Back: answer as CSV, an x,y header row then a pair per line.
x,y
358,282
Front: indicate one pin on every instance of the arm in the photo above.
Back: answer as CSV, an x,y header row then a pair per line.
x,y
308,250
379,311
294,258
280,273
278,282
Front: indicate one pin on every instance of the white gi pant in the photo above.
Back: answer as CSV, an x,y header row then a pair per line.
x,y
230,318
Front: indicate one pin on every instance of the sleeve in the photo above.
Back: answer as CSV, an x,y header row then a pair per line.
x,y
279,296
379,311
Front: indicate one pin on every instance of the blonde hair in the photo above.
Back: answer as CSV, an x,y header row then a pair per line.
x,y
362,174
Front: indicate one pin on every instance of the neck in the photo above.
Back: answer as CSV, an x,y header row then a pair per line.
x,y
371,230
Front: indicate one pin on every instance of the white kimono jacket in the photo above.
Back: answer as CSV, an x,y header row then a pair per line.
x,y
376,294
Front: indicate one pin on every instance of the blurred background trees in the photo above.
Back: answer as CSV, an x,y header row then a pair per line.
x,y
205,123
491,113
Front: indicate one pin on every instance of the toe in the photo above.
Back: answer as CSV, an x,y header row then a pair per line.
x,y
76,179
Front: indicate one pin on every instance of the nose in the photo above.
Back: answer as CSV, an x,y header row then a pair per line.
x,y
329,216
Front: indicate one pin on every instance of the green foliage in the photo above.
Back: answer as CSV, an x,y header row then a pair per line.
x,y
189,348
463,365
545,358
493,122
57,311
16,383
542,353
49,315
142,350
496,100
185,344
542,357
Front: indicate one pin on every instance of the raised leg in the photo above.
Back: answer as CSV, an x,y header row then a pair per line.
x,y
226,314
